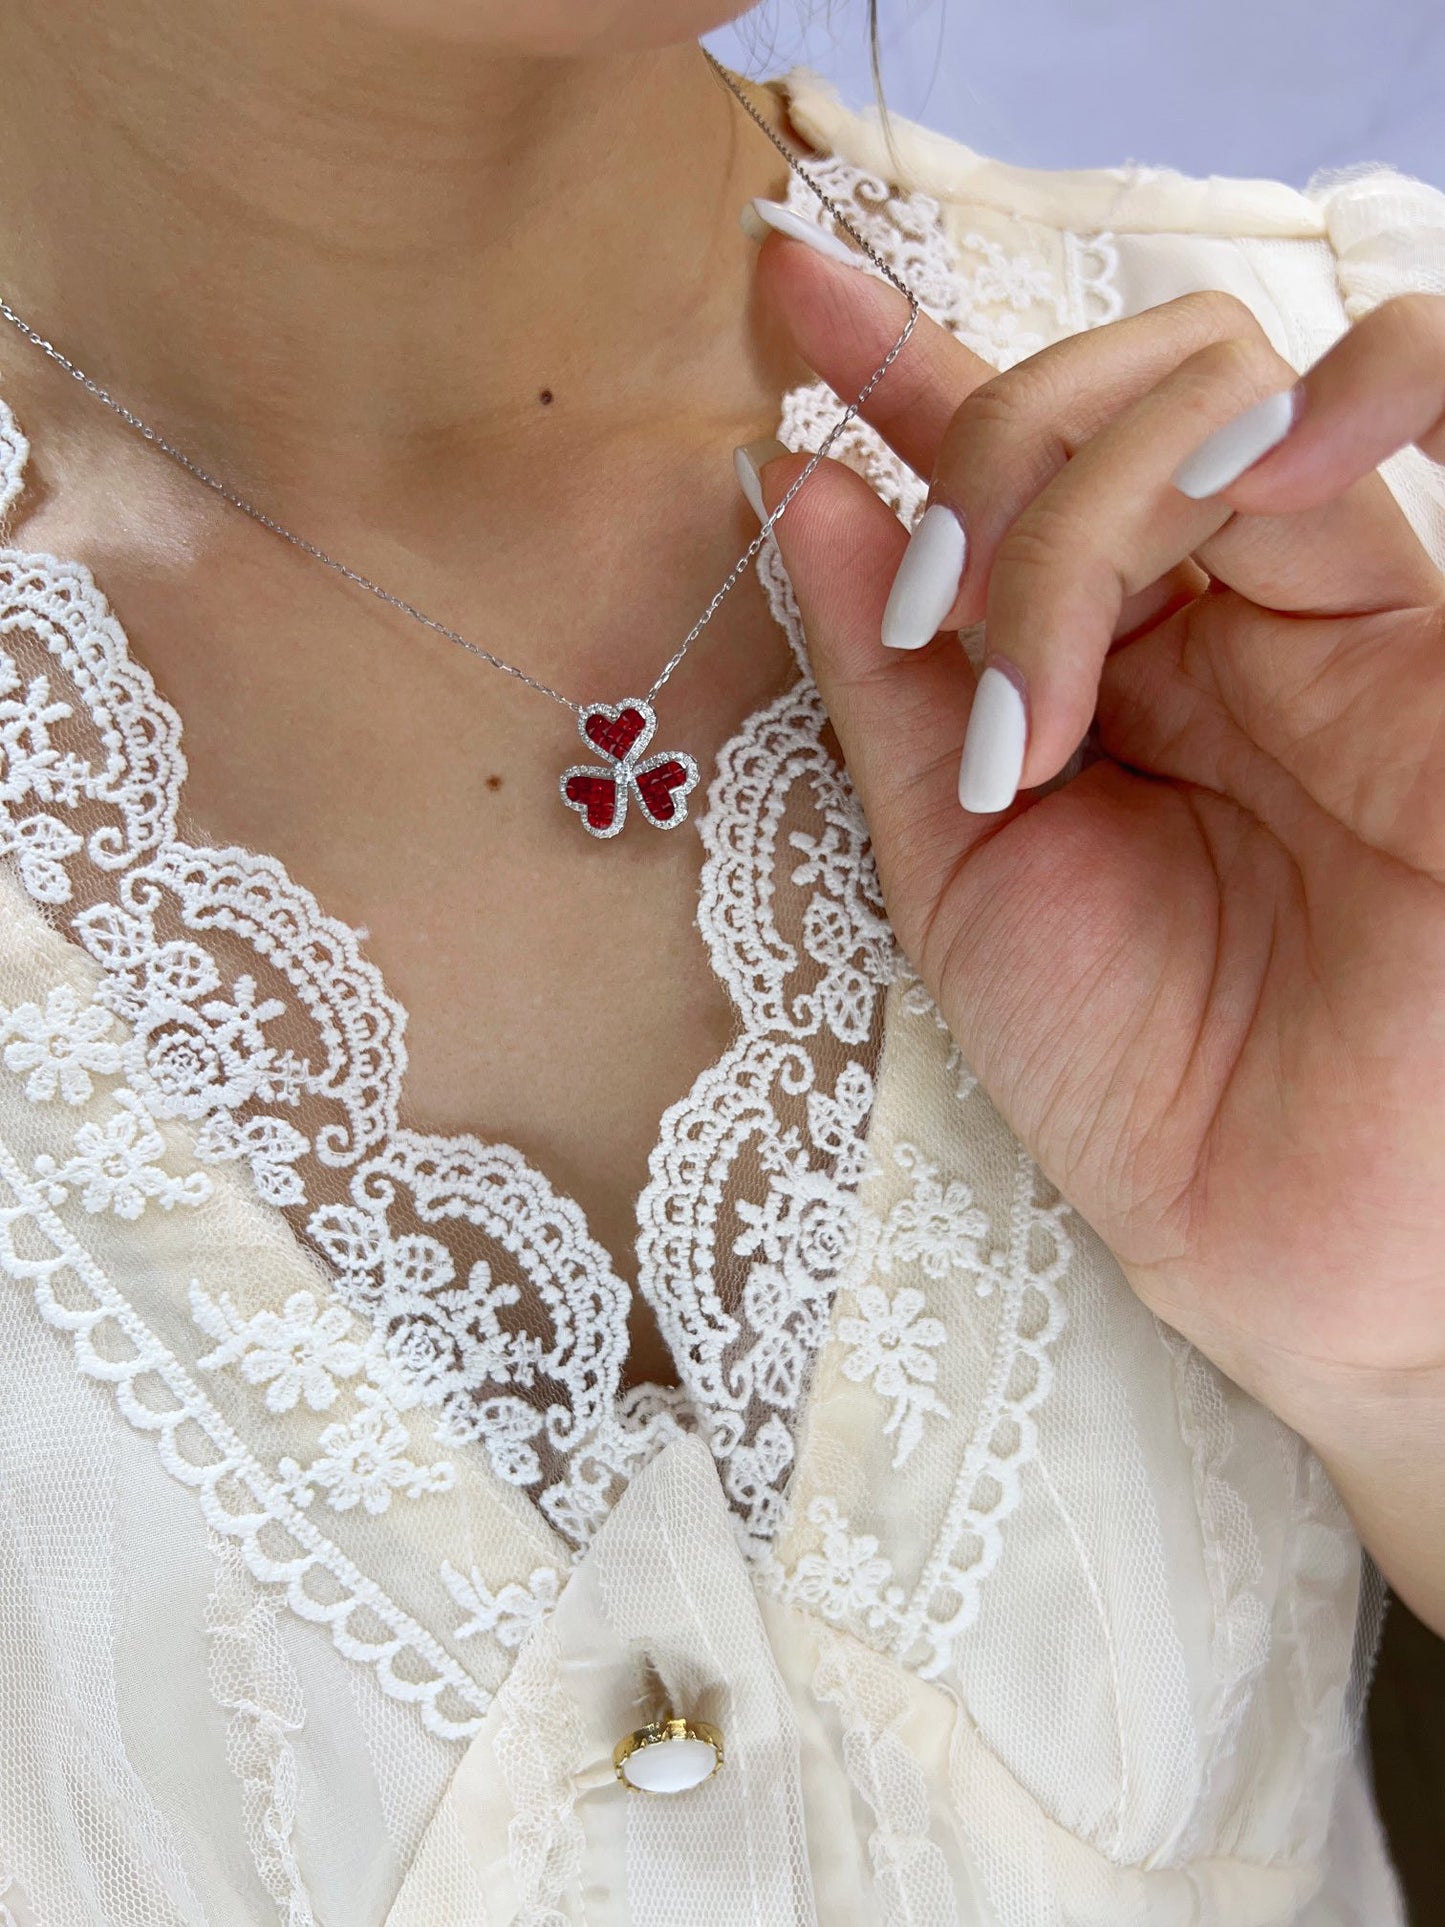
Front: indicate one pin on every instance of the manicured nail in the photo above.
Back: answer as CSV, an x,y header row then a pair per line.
x,y
1237,446
993,748
758,217
748,462
926,584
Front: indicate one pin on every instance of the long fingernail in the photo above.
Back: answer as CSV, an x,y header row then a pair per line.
x,y
759,217
1237,446
993,748
926,584
748,461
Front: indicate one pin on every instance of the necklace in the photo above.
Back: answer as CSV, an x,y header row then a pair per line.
x,y
659,785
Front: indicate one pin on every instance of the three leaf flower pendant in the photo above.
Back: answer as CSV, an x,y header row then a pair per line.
x,y
659,785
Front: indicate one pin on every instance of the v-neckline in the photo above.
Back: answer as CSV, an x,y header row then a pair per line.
x,y
847,960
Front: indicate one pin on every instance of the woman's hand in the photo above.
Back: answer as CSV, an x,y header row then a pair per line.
x,y
1204,980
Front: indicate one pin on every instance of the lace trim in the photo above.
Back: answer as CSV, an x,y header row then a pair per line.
x,y
136,770
539,1743
913,1885
1239,1647
214,1048
254,1681
847,1578
14,454
1328,1705
300,1033
113,1345
254,1018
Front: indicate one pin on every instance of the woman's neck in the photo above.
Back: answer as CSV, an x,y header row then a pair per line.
x,y
336,254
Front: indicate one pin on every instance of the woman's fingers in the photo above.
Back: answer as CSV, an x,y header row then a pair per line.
x,y
899,718
843,320
1012,435
1074,497
1112,522
1380,388
947,413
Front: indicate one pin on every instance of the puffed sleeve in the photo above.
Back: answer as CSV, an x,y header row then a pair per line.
x,y
1387,233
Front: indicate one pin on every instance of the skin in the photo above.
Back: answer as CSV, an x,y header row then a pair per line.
x,y
522,223
1205,981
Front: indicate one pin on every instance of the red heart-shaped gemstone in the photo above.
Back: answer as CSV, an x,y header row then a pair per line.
x,y
615,734
596,797
655,787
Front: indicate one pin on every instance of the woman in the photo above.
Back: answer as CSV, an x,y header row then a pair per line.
x,y
944,1340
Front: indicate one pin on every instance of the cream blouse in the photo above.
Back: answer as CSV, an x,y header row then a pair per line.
x,y
333,1562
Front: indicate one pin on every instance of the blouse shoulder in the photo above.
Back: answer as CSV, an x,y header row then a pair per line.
x,y
1371,216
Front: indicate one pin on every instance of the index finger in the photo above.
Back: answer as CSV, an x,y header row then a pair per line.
x,y
1377,390
843,320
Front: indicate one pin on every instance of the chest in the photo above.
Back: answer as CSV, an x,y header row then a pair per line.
x,y
557,994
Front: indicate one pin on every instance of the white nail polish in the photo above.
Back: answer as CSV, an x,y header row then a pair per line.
x,y
747,462
927,581
759,216
993,748
1237,446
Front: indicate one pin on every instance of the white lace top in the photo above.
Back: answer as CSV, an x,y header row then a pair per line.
x,y
333,1560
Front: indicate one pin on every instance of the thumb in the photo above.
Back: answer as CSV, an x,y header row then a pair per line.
x,y
899,715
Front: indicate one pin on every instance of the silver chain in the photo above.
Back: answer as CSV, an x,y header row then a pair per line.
x,y
739,568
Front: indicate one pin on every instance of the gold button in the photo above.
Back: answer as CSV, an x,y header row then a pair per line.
x,y
669,1756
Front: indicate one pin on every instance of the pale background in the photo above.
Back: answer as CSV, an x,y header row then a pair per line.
x,y
1273,87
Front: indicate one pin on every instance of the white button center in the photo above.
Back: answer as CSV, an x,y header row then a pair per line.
x,y
669,1766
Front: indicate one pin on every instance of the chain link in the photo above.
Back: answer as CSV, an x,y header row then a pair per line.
x,y
735,574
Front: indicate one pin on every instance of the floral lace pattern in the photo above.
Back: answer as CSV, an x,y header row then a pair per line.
x,y
240,1499
459,1284
511,1612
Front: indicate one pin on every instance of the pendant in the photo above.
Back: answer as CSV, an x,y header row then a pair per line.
x,y
659,785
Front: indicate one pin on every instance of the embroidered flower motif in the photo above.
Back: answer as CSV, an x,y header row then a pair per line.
x,y
353,1240
836,1123
284,1079
181,970
939,1227
511,1357
30,765
809,1225
893,1344
375,1264
269,1144
40,846
455,1335
848,1577
191,1059
506,1424
753,1473
775,1360
989,294
59,1046
827,1229
417,1263
509,1613
298,1352
115,1165
363,1462
577,1506
844,930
